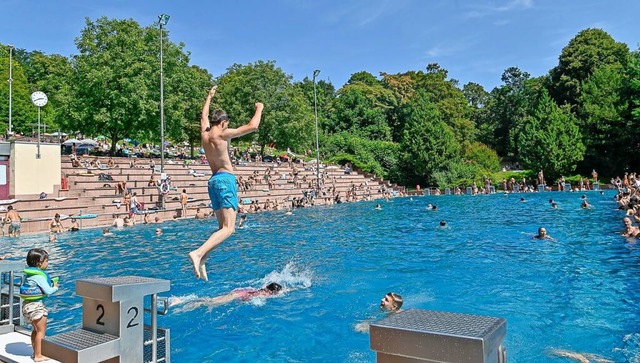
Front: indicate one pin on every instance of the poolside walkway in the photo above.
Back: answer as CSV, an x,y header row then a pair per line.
x,y
16,348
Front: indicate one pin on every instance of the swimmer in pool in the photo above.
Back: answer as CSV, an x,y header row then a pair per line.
x,y
378,207
542,234
242,221
629,229
580,357
390,303
244,294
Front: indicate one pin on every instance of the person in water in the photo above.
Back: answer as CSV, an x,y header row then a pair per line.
x,y
244,294
55,226
542,234
74,225
390,304
242,221
36,286
223,189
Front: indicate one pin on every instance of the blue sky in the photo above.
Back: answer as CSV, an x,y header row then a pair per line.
x,y
474,40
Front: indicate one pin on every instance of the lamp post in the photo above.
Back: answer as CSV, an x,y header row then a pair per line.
x,y
10,82
315,108
163,19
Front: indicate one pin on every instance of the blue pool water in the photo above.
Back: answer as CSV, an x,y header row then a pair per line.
x,y
580,293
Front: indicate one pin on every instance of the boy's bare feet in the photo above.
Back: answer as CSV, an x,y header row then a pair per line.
x,y
195,259
41,358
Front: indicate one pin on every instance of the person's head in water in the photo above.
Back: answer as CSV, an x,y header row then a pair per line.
x,y
443,223
391,302
273,288
542,233
435,207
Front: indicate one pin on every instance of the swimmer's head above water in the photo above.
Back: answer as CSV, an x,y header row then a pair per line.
x,y
273,287
391,302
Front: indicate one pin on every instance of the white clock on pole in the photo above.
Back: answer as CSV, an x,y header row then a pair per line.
x,y
39,98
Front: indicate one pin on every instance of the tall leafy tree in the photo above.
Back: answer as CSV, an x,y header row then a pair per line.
x,y
450,100
506,109
198,81
325,94
23,113
551,138
361,107
632,94
244,85
586,52
114,79
607,132
52,74
428,143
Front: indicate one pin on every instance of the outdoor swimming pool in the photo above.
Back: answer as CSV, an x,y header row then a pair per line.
x,y
580,293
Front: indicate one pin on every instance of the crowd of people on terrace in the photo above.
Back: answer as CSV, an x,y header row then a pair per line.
x,y
628,200
267,179
524,185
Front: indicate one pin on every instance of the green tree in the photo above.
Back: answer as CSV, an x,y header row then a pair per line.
x,y
325,93
198,81
632,95
587,51
551,138
242,86
373,156
51,74
481,155
505,110
23,112
114,80
607,132
362,109
428,144
455,109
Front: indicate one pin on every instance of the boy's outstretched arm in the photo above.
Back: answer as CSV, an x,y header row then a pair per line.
x,y
249,127
204,120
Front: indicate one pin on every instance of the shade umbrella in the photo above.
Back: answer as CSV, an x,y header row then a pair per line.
x,y
88,142
59,134
71,142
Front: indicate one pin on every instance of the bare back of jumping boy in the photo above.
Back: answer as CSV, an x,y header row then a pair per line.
x,y
223,191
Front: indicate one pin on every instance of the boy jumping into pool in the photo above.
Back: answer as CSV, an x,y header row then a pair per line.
x,y
223,189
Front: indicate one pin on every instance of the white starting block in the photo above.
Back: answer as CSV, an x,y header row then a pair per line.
x,y
436,336
112,322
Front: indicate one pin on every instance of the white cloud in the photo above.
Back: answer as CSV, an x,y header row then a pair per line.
x,y
446,50
488,8
364,12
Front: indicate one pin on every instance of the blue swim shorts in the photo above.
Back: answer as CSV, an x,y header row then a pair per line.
x,y
223,191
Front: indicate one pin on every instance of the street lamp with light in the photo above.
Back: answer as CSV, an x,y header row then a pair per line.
x,y
163,19
315,107
10,82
